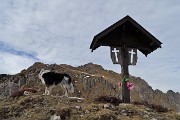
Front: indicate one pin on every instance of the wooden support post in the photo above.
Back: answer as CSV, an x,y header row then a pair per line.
x,y
125,73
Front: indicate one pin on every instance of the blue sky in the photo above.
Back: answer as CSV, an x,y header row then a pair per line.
x,y
61,31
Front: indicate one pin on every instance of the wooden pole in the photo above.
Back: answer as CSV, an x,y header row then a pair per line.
x,y
124,66
125,74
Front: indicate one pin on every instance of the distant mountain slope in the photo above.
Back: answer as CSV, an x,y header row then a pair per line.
x,y
90,80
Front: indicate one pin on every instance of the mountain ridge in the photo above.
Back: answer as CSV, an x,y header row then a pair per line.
x,y
92,76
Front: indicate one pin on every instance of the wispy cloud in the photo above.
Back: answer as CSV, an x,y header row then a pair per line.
x,y
7,48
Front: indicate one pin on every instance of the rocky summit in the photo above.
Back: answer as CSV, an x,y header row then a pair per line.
x,y
97,96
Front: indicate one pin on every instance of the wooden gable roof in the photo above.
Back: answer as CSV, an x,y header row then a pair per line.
x,y
129,33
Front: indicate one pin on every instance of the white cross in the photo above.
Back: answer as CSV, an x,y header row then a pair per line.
x,y
115,51
132,53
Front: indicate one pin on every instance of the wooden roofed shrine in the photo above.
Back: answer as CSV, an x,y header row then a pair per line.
x,y
125,34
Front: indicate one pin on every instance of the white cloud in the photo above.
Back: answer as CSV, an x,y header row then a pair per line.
x,y
60,31
12,64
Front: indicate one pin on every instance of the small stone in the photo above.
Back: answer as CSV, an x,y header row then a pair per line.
x,y
26,93
149,110
78,107
55,117
109,106
124,112
79,101
153,119
106,106
146,116
81,115
87,111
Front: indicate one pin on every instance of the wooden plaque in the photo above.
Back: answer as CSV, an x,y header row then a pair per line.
x,y
132,56
116,55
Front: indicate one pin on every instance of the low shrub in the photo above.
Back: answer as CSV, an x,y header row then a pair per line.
x,y
108,99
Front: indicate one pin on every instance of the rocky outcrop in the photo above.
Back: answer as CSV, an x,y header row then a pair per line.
x,y
90,80
174,98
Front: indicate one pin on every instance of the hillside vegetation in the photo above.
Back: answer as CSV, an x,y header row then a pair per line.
x,y
98,88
